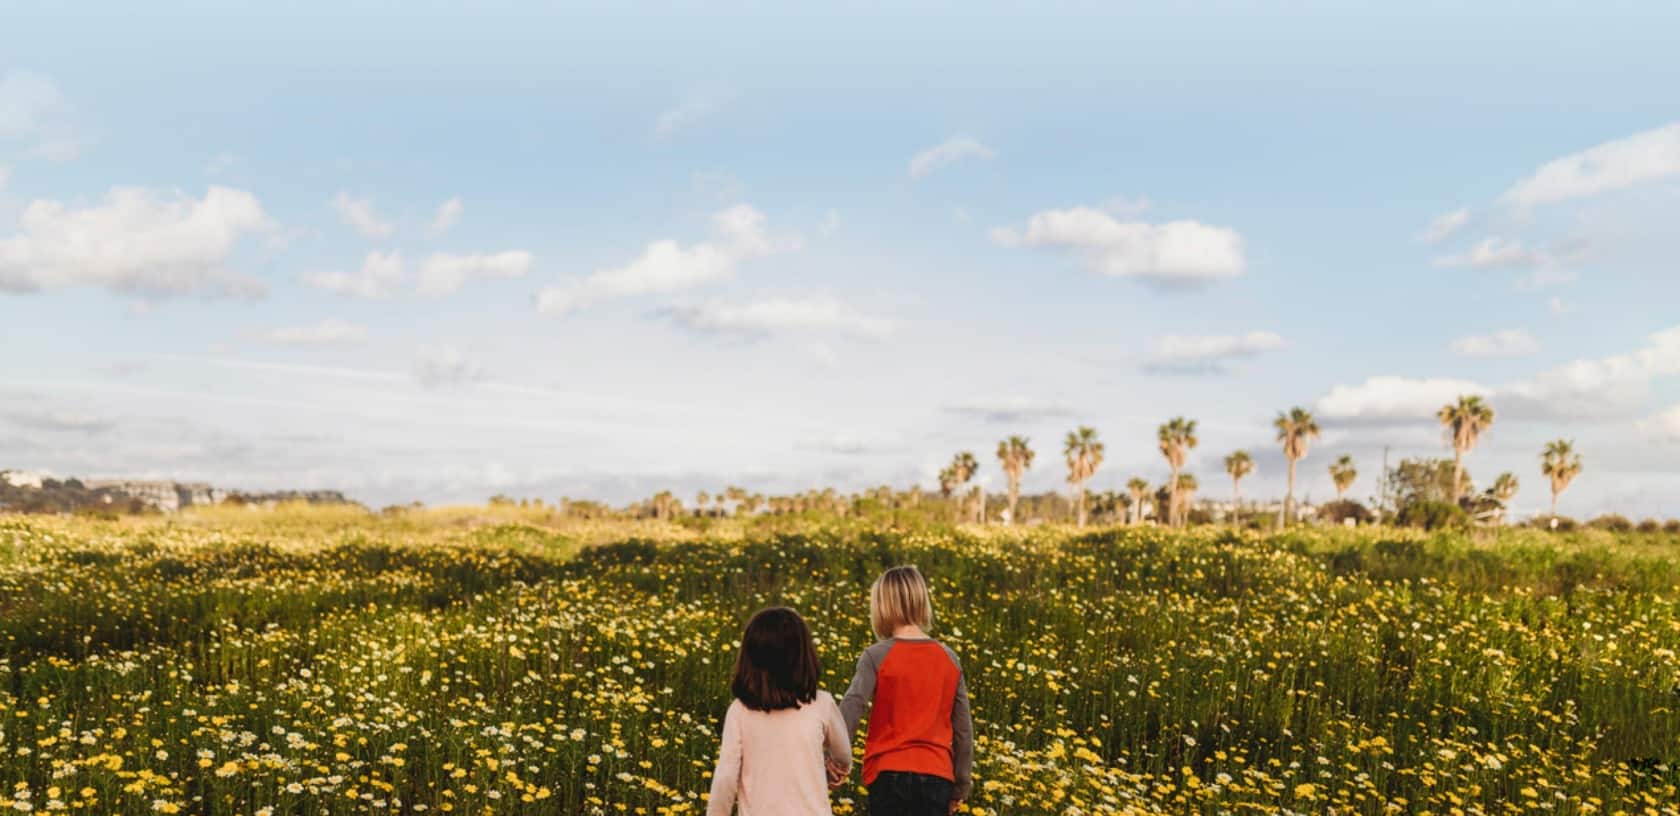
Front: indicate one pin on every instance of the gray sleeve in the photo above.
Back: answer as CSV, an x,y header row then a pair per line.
x,y
962,736
861,692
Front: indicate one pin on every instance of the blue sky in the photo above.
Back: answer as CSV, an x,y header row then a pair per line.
x,y
414,252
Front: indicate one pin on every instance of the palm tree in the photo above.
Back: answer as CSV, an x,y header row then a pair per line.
x,y
1342,472
1184,488
738,495
665,505
1561,464
1238,465
1084,455
963,466
1138,487
1503,489
1017,458
1295,428
701,500
1464,422
1177,437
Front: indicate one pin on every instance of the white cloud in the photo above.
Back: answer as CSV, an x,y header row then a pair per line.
x,y
823,355
947,153
1557,306
136,242
444,274
667,266
1395,398
381,276
1207,353
1600,388
26,98
1645,156
1597,389
843,444
1497,253
1009,409
1507,343
820,313
325,333
444,366
695,108
35,114
1444,225
1173,252
359,213
1663,426
448,213
59,422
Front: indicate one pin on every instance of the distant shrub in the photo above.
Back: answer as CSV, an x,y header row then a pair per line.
x,y
1672,526
1565,524
1649,526
1433,515
1611,522
1338,511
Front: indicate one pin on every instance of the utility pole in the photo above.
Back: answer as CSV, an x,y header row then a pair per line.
x,y
1383,483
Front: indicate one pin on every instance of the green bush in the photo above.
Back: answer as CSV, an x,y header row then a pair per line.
x,y
1337,511
1611,522
1433,515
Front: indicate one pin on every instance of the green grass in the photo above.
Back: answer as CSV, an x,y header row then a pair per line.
x,y
474,660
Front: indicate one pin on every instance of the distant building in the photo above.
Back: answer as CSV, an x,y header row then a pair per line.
x,y
23,478
168,497
158,495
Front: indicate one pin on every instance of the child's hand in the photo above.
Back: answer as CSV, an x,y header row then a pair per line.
x,y
836,775
956,805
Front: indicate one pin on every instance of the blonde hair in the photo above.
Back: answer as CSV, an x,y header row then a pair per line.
x,y
899,598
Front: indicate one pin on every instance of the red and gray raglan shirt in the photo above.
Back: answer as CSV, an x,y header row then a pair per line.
x,y
920,721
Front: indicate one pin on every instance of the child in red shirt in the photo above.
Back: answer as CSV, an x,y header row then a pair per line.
x,y
919,755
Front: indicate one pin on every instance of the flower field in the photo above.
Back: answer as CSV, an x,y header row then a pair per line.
x,y
351,664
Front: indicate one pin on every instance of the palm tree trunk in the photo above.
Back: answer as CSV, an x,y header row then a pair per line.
x,y
1554,502
1014,493
1289,498
1236,500
1081,504
1458,473
980,507
1172,499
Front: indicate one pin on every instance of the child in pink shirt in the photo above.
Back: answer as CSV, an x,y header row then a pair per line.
x,y
781,734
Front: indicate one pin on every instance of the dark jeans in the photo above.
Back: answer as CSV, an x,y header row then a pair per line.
x,y
899,793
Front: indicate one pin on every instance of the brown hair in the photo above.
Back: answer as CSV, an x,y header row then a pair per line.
x,y
899,598
777,667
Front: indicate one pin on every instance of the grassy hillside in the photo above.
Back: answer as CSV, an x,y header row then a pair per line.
x,y
328,661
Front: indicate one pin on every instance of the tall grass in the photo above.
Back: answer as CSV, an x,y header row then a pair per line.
x,y
493,660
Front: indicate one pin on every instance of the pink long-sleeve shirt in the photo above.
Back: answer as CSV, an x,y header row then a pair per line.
x,y
772,762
